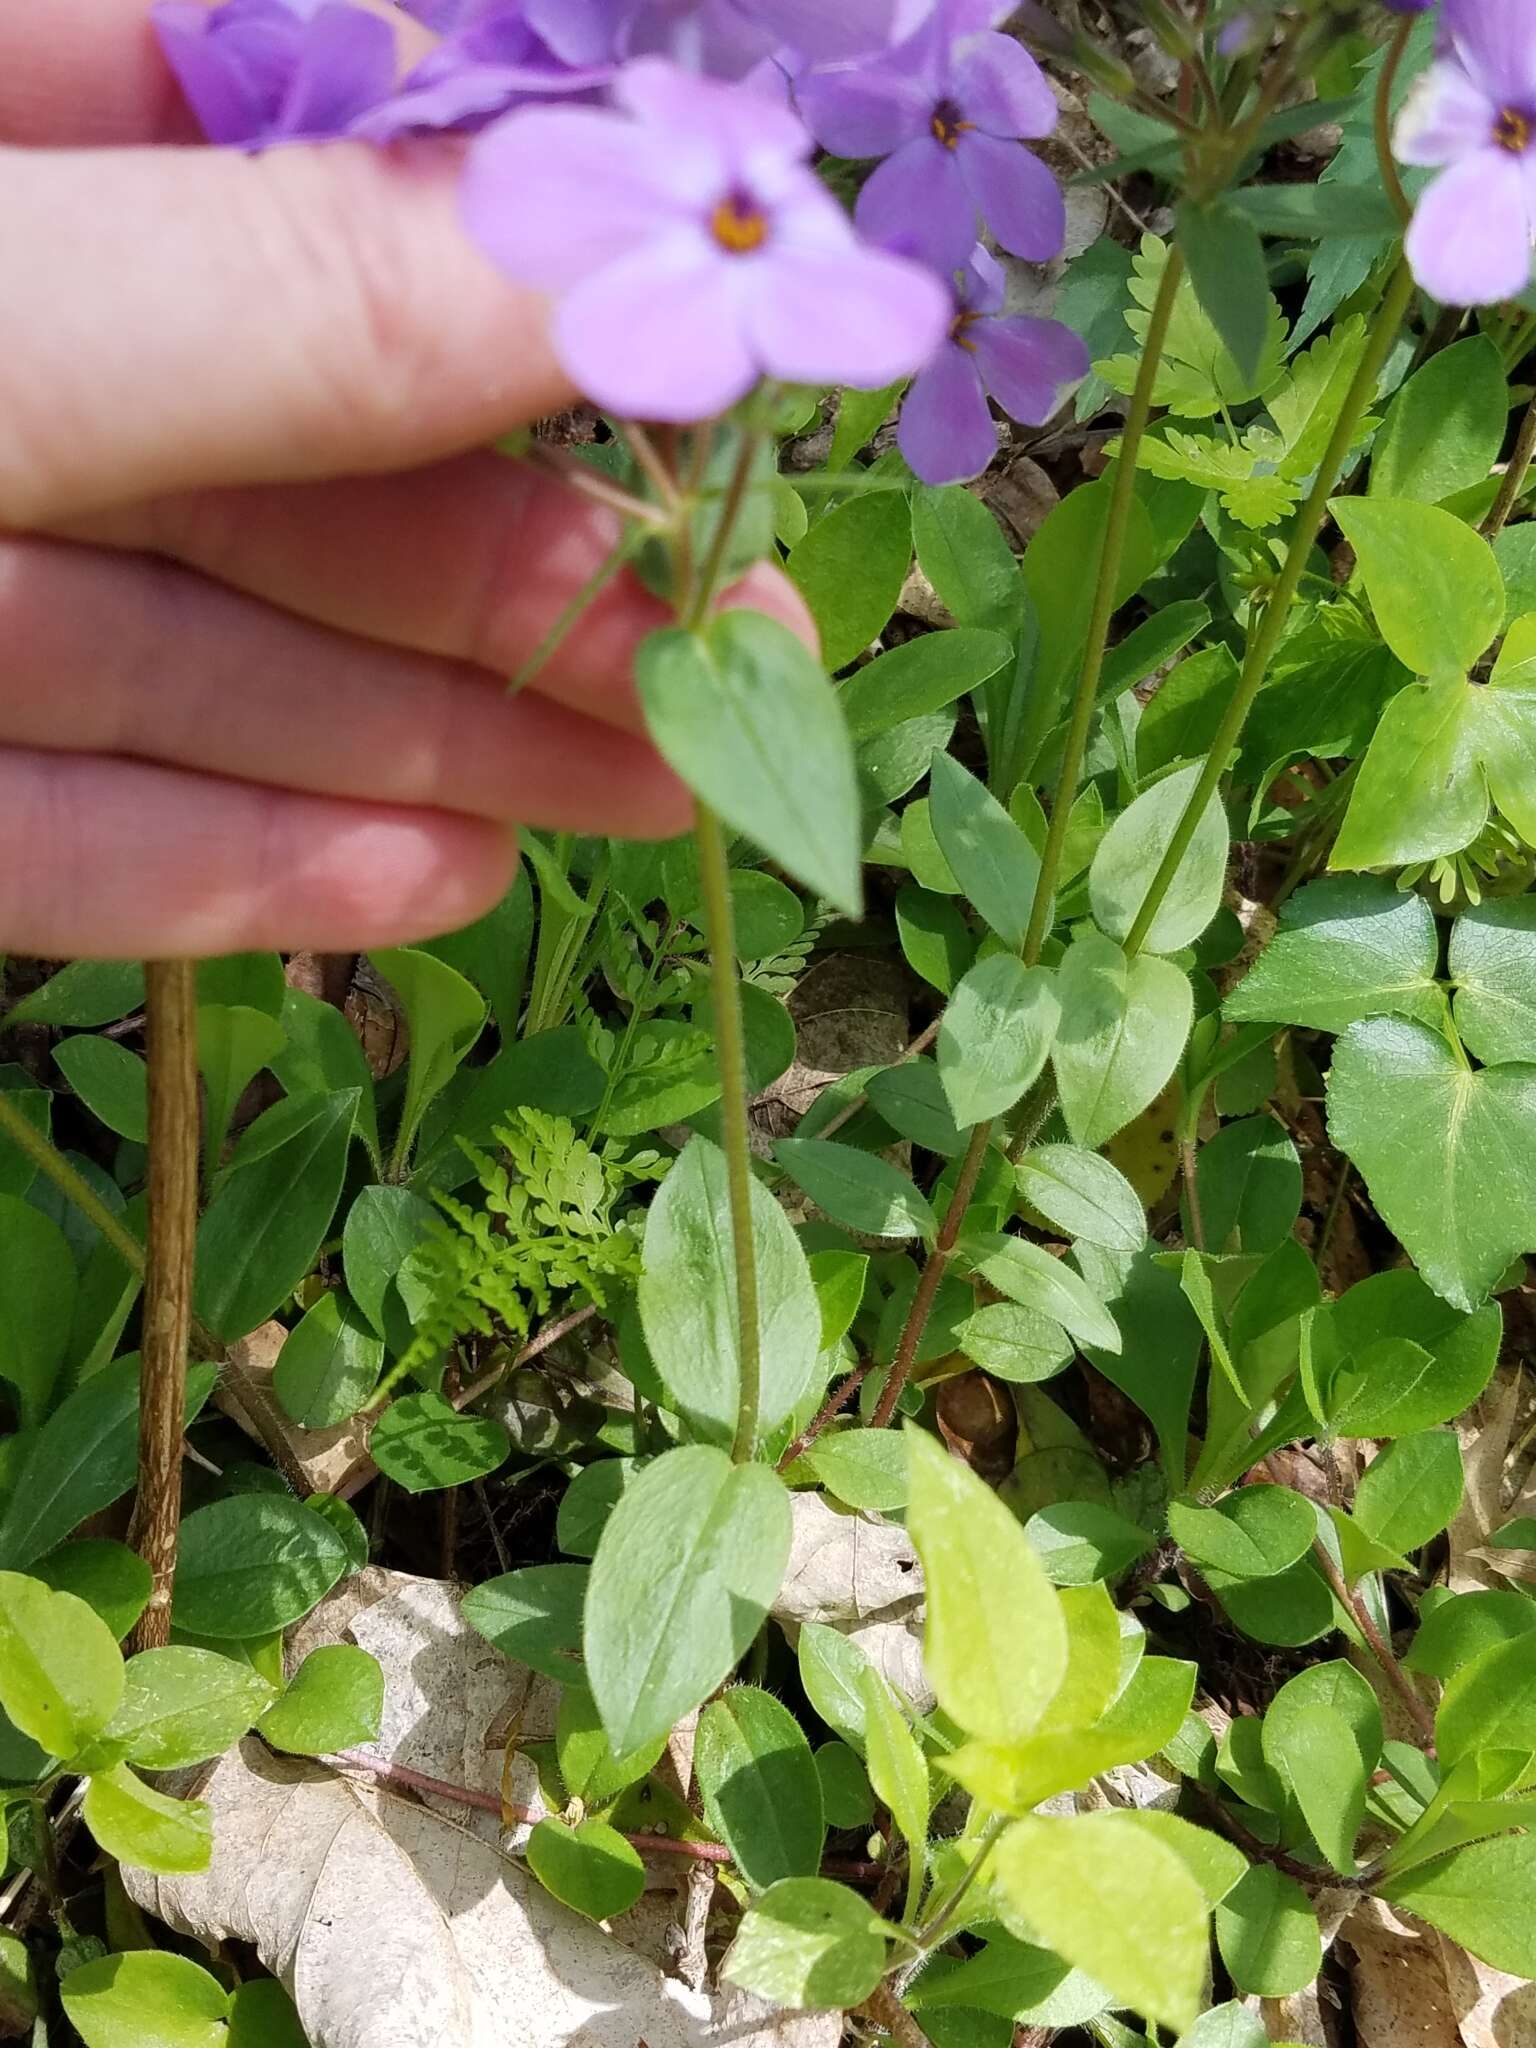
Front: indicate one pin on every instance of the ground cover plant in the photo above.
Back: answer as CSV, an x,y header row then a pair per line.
x,y
905,1415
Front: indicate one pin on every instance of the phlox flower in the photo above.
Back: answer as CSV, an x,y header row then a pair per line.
x,y
261,71
947,110
495,58
1027,365
1472,116
691,248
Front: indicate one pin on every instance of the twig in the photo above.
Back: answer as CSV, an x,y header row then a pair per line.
x,y
850,1109
541,1341
830,1409
1512,483
1304,1873
173,1167
888,2012
1380,1648
932,1274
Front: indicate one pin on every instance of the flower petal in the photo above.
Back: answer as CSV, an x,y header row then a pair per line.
x,y
999,86
554,193
345,67
1470,239
580,32
745,131
659,334
946,432
845,316
1029,365
1494,40
918,203
232,72
864,113
829,30
982,286
1444,118
1016,195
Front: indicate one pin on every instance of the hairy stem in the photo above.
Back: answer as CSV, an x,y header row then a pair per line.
x,y
173,1165
828,1412
1512,483
1261,648
892,2017
49,1160
731,1052
928,1280
1380,1648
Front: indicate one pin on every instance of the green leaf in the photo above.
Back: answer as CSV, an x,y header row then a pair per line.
x,y
138,1825
1027,1274
856,1188
1123,1028
685,1570
1214,1863
910,1098
587,1503
82,995
1411,1490
1014,1343
1249,1178
1252,1534
1267,1933
37,1299
934,937
445,1015
1348,947
850,568
233,1045
718,705
1081,1541
1433,582
898,1772
1481,1897
262,2015
111,1579
61,1675
995,1645
424,1444
253,1563
589,1867
995,1036
1489,1703
1319,1755
688,1302
1231,279
146,1999
1421,790
1462,1628
809,1942
533,1616
322,1055
110,1081
1133,847
1407,1359
83,1458
384,1226
328,1366
248,981
1449,1156
1112,1900
271,1211
991,859
866,1468
1493,964
1084,1196
846,1796
920,676
963,553
182,1706
1445,427
761,1792
832,1668
334,1701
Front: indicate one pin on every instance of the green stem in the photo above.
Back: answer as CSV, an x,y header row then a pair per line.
x,y
1385,160
701,600
1512,483
731,1052
1261,649
934,1928
47,1158
1111,556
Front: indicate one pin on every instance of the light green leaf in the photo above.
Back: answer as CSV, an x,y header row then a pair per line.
x,y
145,1999
138,1825
1084,1196
590,1867
1433,582
1348,947
323,1056
1213,1862
850,568
1489,1703
1410,1492
61,1674
685,1570
329,1365
856,1188
1267,1933
1249,1178
233,1045
1319,1755
1421,790
1481,1897
1445,427
334,1701
761,1791
963,553
445,1015
262,2015
867,1468
995,1646
591,1771
1493,964
718,705
1129,855
1252,1534
37,1299
1114,1901
424,1444
809,1942
995,1036
910,1097
1080,1541
182,1706
1230,277
1027,1274
1407,1359
832,1670
1448,1155
898,1771
688,1298
253,1563
384,1226
82,995
1014,1343
1123,1028
993,862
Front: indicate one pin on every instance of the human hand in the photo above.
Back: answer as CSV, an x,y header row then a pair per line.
x,y
257,605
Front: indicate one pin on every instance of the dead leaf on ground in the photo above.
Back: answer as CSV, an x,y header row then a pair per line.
x,y
1410,1987
1486,1432
859,1575
398,1924
311,1460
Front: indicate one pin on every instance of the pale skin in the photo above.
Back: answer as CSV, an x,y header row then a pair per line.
x,y
260,588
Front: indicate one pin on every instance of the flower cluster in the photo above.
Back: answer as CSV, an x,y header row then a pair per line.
x,y
649,163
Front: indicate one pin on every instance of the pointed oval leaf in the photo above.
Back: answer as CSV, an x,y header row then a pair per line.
x,y
761,1791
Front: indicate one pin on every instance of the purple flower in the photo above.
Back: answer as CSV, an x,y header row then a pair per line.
x,y
828,31
495,59
946,110
261,71
1472,116
692,248
1027,365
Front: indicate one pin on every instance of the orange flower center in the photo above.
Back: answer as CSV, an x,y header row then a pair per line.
x,y
1512,131
739,225
960,331
949,124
